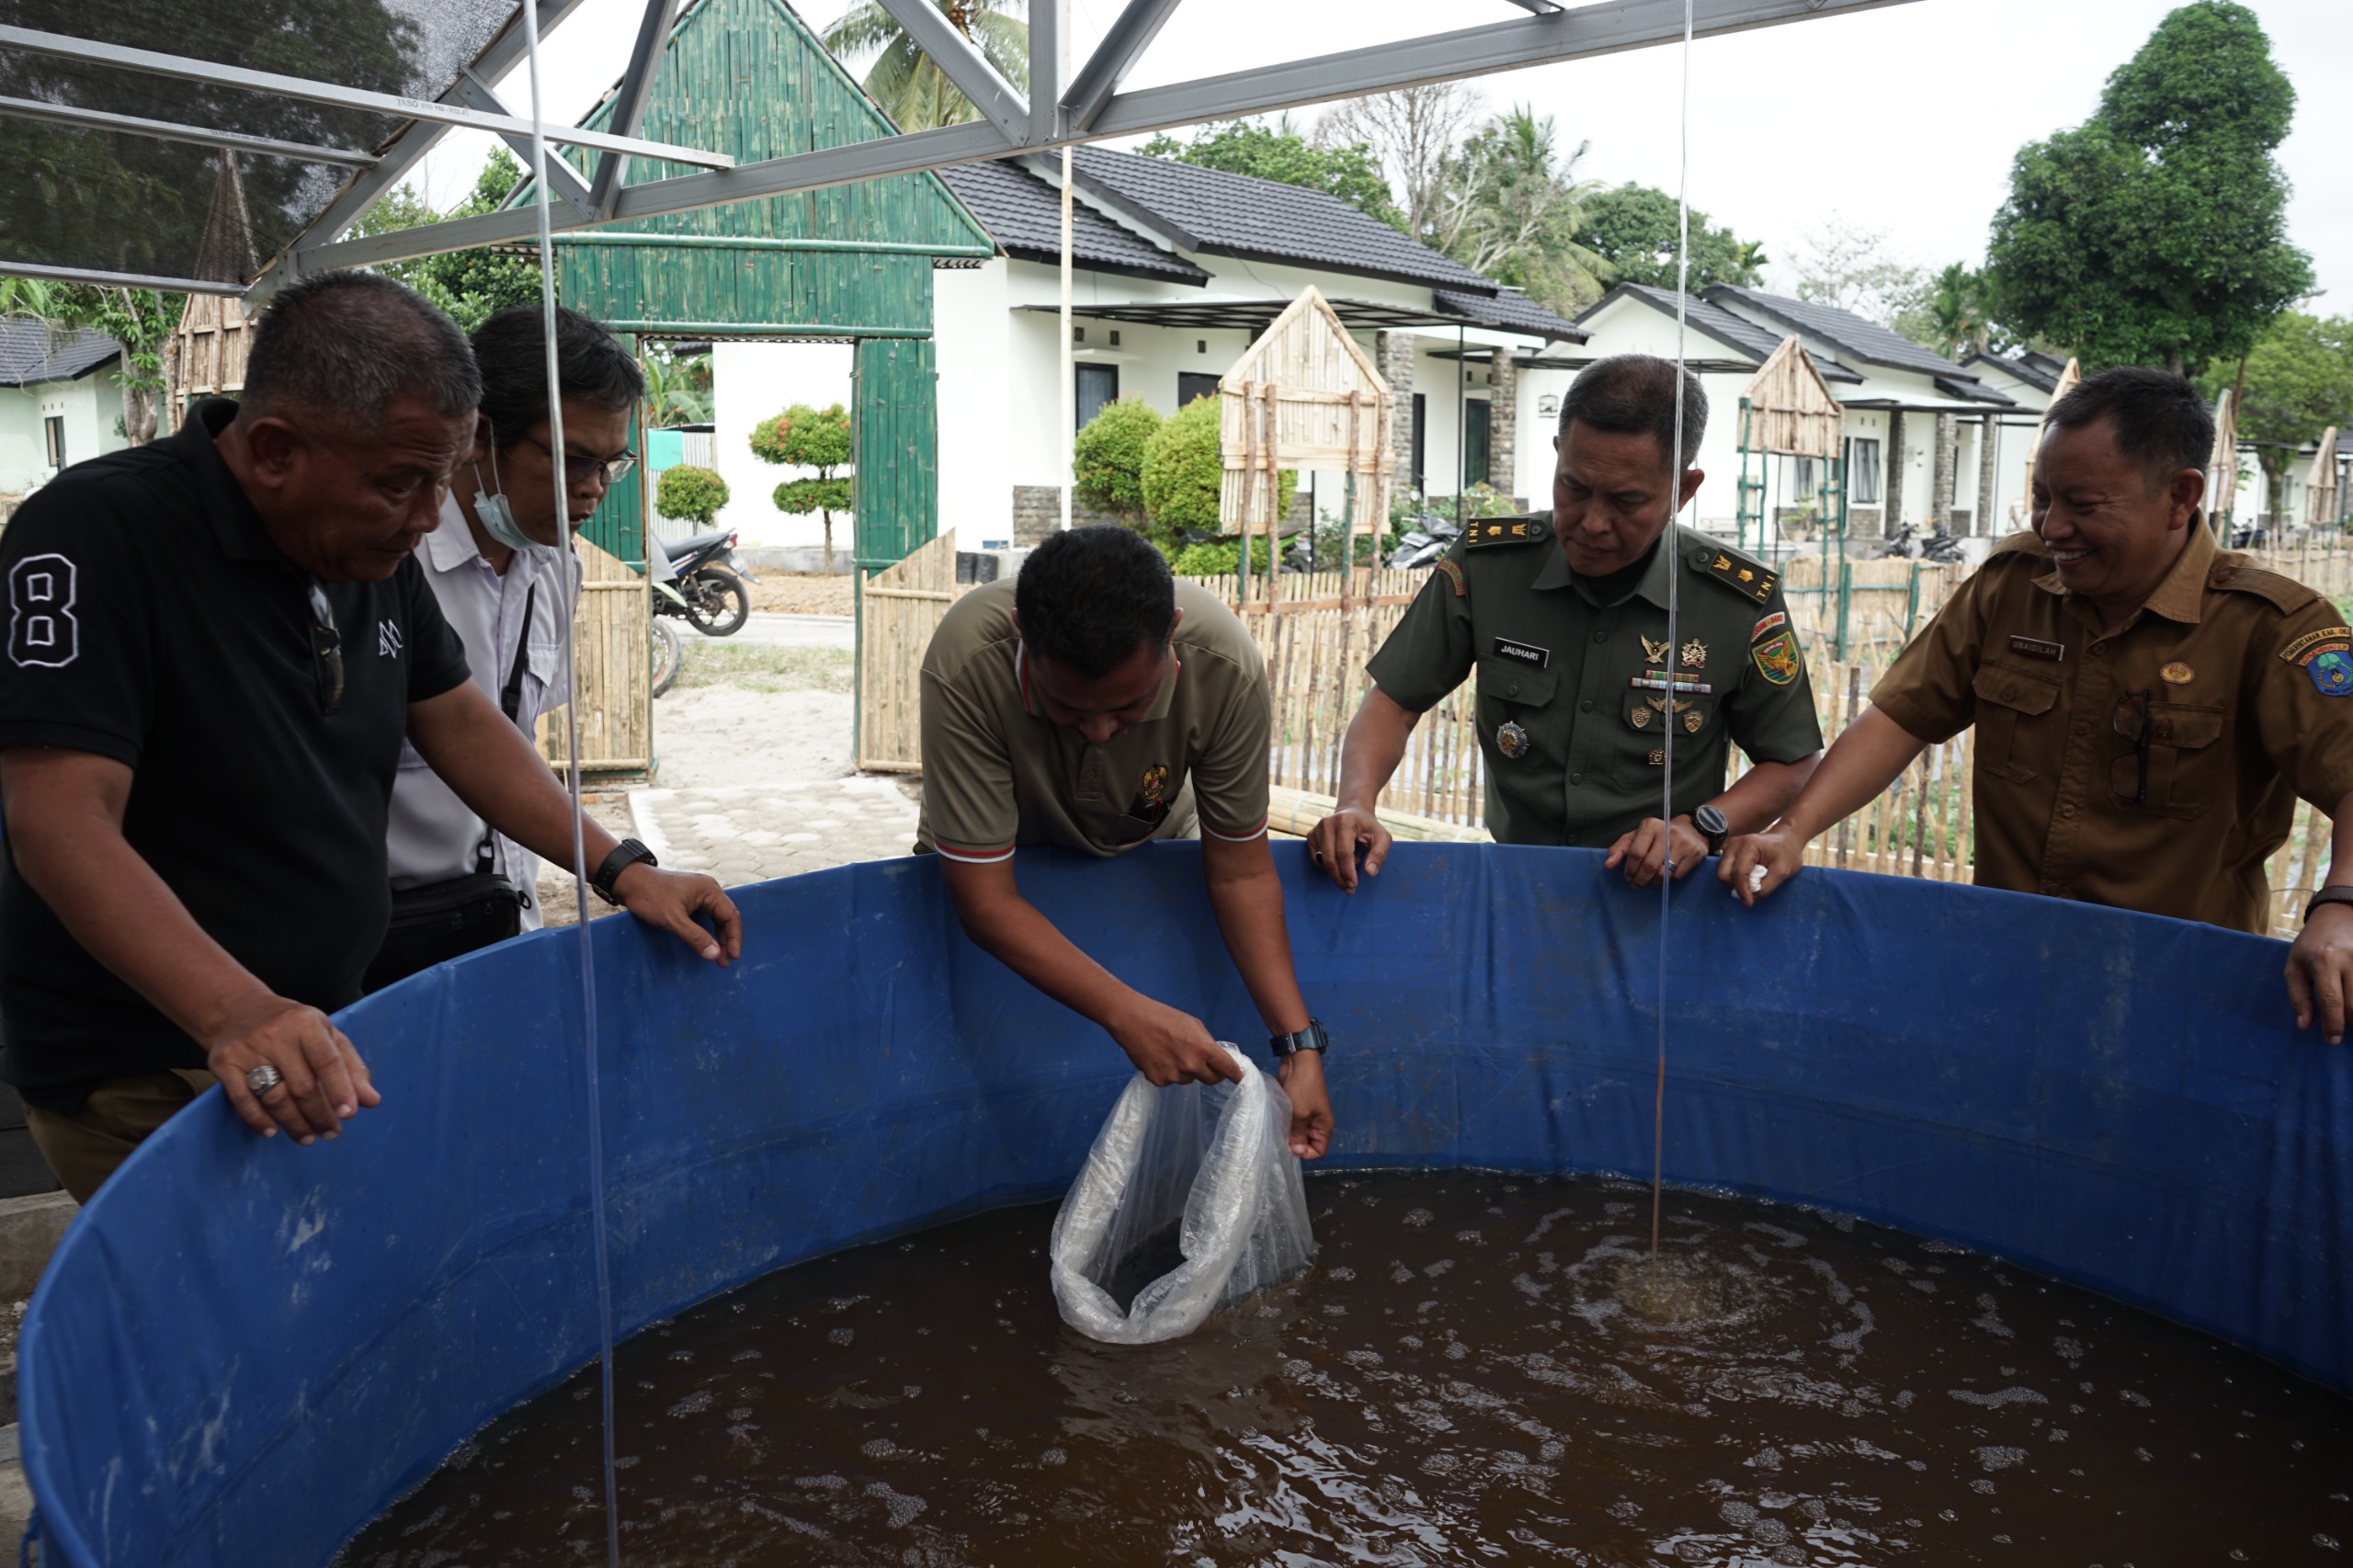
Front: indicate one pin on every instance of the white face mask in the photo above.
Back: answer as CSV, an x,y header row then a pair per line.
x,y
498,516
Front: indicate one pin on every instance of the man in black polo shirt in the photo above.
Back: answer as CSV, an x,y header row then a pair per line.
x,y
215,646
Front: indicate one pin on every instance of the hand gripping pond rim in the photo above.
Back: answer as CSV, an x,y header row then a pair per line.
x,y
1209,1159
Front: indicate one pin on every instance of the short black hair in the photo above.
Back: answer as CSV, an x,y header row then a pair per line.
x,y
2162,424
590,366
1089,597
343,345
1633,394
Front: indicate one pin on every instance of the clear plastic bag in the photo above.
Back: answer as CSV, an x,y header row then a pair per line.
x,y
1190,1201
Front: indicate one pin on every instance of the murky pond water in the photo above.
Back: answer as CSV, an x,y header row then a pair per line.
x,y
1482,1368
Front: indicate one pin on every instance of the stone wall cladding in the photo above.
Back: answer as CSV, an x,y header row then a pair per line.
x,y
1503,422
1393,355
1037,511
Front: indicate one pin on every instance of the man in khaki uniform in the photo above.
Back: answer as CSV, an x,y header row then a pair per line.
x,y
1093,703
2148,707
1563,616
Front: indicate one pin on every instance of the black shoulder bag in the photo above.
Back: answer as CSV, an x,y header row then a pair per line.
x,y
445,920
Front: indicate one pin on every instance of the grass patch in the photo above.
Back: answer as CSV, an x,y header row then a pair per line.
x,y
713,662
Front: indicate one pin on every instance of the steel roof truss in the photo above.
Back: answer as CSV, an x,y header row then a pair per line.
x,y
1130,35
963,64
172,131
629,104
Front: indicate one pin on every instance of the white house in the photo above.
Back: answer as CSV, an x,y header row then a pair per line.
x,y
60,402
1925,439
1176,270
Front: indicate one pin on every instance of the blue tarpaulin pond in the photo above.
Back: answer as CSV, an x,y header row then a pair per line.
x,y
243,1351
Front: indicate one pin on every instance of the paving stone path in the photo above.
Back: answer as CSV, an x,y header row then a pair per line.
x,y
746,833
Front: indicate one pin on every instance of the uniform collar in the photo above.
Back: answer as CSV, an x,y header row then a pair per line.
x,y
1651,585
2181,597
452,545
228,511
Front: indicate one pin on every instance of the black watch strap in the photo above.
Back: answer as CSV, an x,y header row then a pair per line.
x,y
1314,1037
627,853
2328,896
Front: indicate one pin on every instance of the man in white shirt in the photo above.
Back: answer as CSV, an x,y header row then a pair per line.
x,y
494,565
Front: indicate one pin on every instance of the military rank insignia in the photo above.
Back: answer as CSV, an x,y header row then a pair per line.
x,y
1505,530
1754,581
2326,656
1511,740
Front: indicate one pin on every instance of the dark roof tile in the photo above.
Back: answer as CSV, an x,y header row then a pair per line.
x,y
27,354
1859,338
1213,211
1722,325
1510,310
1023,213
2024,367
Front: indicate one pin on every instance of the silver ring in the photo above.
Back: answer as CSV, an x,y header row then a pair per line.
x,y
263,1079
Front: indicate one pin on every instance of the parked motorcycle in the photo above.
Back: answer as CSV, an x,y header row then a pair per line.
x,y
1906,544
703,583
667,649
1421,545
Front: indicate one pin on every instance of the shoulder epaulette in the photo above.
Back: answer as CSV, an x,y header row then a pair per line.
x,y
2286,595
1484,531
1752,580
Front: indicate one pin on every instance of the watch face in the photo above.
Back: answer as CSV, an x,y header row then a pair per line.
x,y
1708,820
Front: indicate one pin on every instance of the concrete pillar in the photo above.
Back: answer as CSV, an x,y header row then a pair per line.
x,y
1899,468
1393,355
1502,423
1942,462
1990,521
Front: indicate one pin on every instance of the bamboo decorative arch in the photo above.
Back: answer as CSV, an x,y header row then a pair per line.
x,y
1303,395
2320,489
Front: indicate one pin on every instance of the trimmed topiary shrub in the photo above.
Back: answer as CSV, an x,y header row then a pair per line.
x,y
690,494
1106,460
1183,469
803,437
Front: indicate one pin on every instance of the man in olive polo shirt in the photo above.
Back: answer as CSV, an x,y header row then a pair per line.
x,y
1093,703
1563,616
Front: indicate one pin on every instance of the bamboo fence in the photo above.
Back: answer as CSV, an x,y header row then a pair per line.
x,y
612,636
899,609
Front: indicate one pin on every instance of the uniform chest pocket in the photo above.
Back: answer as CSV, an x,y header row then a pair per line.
x,y
2014,722
1513,694
1502,681
2172,768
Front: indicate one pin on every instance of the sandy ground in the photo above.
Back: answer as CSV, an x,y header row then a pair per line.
x,y
800,593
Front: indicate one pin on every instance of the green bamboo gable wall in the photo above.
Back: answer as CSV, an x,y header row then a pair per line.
x,y
748,77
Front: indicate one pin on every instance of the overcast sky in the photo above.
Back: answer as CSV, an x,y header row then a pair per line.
x,y
1903,119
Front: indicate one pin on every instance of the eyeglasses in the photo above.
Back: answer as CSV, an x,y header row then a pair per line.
x,y
2131,722
326,651
609,471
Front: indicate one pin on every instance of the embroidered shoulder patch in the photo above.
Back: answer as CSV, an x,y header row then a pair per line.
x,y
2332,671
1451,570
2295,652
1777,659
1771,623
1505,530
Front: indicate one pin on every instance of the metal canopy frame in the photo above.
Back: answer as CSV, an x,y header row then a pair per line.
x,y
1091,109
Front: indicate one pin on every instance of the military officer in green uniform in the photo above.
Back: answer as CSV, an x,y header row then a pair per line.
x,y
1563,616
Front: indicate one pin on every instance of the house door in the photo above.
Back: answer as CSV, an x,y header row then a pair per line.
x,y
1475,418
1098,384
1191,384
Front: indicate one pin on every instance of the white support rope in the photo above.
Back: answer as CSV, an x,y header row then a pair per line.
x,y
1675,468
568,595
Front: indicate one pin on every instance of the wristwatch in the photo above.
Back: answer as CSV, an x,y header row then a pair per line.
x,y
2339,894
1712,827
627,853
1314,1037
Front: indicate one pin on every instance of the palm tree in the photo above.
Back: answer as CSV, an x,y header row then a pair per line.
x,y
915,93
1512,208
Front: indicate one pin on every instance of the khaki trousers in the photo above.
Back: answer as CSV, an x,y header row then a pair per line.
x,y
84,1149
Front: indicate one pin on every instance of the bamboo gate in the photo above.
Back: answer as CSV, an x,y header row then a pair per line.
x,y
611,633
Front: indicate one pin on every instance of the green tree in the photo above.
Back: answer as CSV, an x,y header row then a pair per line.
x,y
914,92
690,494
1184,471
2154,232
677,387
2299,382
1633,229
1513,209
1280,153
803,437
471,286
1107,458
1949,314
140,320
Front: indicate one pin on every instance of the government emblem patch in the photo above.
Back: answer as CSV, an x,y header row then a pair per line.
x,y
1777,658
2332,672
